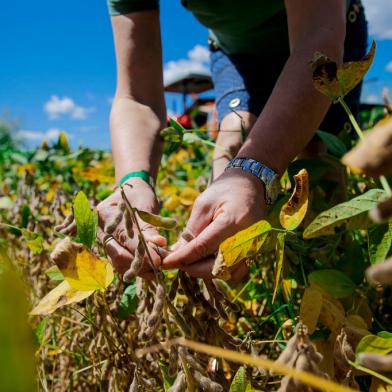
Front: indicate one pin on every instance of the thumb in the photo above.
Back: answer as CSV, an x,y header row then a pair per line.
x,y
204,245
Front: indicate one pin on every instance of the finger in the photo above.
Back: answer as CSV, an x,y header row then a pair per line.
x,y
151,234
69,230
380,363
185,237
201,269
380,273
204,245
120,257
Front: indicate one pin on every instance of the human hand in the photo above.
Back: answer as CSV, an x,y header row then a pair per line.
x,y
230,204
120,248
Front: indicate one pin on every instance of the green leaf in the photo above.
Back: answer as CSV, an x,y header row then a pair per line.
x,y
279,251
172,135
168,380
334,145
54,273
379,242
326,222
40,330
333,282
128,303
385,334
86,220
352,262
35,241
374,344
240,381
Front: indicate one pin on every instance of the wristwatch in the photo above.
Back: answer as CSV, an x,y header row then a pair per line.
x,y
267,176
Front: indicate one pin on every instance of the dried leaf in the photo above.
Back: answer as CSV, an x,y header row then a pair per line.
x,y
337,82
246,243
157,220
311,304
294,211
82,269
351,73
61,295
326,222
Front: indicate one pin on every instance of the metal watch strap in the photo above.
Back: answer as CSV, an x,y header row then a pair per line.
x,y
266,175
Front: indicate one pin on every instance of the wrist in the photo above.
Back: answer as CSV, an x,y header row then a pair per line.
x,y
260,172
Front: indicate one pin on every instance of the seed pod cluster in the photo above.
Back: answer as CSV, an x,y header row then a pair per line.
x,y
179,384
136,264
150,319
198,371
301,355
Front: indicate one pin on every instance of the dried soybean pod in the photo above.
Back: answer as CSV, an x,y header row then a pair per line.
x,y
128,223
156,313
173,361
205,383
136,264
134,387
116,220
173,289
180,383
380,363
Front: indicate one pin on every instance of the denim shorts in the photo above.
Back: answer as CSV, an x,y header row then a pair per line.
x,y
244,82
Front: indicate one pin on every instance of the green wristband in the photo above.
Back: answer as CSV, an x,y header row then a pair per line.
x,y
144,175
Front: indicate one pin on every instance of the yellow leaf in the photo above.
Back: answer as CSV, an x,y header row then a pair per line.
x,y
350,74
337,82
294,211
311,304
279,262
188,196
61,295
82,269
244,244
172,203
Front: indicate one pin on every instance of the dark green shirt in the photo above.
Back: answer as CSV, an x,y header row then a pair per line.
x,y
245,26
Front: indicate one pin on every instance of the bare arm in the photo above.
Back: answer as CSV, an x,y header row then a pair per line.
x,y
292,114
295,109
138,111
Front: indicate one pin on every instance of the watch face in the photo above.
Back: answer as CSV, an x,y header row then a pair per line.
x,y
273,189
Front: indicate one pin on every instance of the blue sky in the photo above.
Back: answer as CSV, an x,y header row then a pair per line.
x,y
57,69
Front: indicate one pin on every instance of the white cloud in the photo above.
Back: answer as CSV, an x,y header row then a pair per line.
x,y
200,54
379,15
57,107
372,99
389,67
51,135
197,62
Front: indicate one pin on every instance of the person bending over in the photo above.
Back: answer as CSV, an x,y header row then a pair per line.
x,y
260,54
